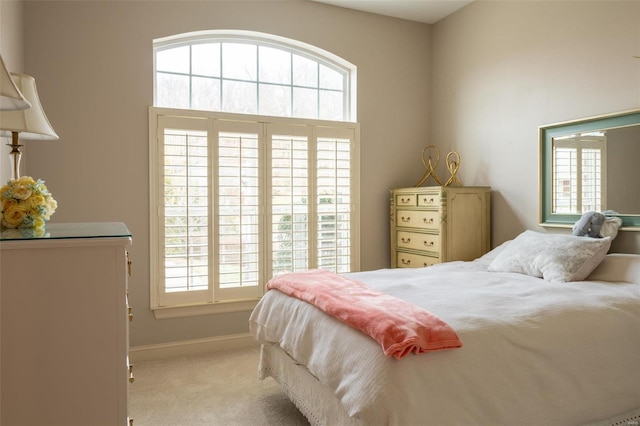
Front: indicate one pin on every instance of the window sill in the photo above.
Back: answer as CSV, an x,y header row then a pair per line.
x,y
168,312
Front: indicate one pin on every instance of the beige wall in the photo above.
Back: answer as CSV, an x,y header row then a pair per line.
x,y
93,65
501,69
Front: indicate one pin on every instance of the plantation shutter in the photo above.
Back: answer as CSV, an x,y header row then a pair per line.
x,y
238,201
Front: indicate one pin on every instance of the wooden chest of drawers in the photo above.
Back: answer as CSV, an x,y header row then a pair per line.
x,y
435,224
65,325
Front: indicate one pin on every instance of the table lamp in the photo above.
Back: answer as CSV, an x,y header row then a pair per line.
x,y
10,97
29,123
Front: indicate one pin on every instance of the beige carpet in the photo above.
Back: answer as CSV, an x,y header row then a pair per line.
x,y
221,388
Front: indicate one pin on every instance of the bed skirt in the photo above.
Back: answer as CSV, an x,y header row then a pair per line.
x,y
320,406
316,402
631,418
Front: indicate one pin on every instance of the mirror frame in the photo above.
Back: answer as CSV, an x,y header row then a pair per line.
x,y
546,135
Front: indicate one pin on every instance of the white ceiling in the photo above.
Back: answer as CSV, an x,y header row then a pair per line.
x,y
427,11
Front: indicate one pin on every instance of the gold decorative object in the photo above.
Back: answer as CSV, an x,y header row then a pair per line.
x,y
453,164
430,168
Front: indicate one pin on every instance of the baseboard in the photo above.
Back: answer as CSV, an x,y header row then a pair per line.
x,y
190,347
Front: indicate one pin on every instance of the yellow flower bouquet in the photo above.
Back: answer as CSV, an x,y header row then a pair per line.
x,y
25,203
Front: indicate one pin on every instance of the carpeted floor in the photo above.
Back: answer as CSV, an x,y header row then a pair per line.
x,y
220,388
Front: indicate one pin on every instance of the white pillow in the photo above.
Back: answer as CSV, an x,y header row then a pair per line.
x,y
488,257
554,257
618,267
610,227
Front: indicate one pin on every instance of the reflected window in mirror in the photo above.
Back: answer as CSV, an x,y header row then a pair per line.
x,y
590,164
578,171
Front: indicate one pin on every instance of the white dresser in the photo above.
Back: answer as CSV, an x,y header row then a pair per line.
x,y
435,224
65,325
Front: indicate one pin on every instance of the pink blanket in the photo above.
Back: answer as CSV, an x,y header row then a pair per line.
x,y
399,326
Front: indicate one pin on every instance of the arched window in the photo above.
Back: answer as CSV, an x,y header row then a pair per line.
x,y
252,73
254,157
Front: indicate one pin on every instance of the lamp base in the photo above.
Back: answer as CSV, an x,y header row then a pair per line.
x,y
14,156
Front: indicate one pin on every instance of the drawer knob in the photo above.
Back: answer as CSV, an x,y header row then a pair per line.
x,y
428,220
405,200
128,263
407,219
131,378
405,261
428,243
428,200
405,240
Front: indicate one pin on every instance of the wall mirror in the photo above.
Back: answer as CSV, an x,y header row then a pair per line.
x,y
591,164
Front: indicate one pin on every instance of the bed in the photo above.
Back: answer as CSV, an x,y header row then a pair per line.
x,y
550,336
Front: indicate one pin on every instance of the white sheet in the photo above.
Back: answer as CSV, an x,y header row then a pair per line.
x,y
534,352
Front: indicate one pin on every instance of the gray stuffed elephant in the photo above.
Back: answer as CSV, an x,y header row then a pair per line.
x,y
589,225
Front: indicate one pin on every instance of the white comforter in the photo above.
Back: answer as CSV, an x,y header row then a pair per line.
x,y
534,352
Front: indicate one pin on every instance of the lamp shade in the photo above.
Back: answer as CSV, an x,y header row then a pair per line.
x,y
10,97
31,123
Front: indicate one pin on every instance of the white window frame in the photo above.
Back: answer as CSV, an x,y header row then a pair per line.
x,y
207,302
269,40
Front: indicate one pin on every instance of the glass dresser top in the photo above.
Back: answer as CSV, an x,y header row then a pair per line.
x,y
61,231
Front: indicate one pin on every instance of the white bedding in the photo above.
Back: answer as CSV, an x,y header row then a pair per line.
x,y
534,352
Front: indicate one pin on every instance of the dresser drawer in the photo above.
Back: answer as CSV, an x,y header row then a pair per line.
x,y
410,260
433,224
429,200
418,241
418,219
410,200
